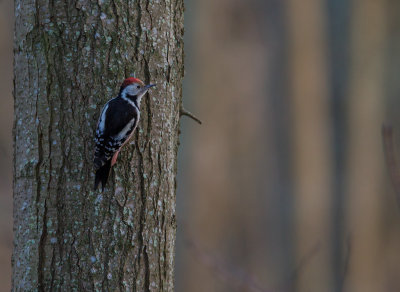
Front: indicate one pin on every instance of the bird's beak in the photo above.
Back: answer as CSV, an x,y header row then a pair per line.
x,y
145,89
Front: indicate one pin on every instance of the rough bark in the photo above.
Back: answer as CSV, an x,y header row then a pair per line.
x,y
70,57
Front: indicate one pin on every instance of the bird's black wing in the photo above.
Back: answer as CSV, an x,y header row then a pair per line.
x,y
120,113
117,121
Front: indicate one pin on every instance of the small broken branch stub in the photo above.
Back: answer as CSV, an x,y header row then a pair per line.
x,y
184,112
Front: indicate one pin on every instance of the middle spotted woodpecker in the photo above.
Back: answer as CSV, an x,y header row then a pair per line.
x,y
118,120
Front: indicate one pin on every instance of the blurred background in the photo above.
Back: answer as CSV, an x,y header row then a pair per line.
x,y
284,186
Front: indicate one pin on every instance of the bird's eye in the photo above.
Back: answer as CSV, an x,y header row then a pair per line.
x,y
138,87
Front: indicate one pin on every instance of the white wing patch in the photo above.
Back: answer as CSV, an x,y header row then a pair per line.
x,y
127,128
102,121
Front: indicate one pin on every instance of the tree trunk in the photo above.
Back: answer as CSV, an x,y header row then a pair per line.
x,y
366,173
69,60
311,147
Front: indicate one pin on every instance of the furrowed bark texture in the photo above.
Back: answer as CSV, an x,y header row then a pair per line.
x,y
70,58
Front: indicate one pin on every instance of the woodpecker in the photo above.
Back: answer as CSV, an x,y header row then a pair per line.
x,y
118,120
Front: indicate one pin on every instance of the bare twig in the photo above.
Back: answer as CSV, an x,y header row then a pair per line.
x,y
391,161
234,276
346,262
304,261
184,112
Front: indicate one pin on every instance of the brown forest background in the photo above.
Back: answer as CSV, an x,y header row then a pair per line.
x,y
284,186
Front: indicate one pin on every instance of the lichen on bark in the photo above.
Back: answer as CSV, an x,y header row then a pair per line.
x,y
70,58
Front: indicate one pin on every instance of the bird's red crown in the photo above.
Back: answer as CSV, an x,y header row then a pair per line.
x,y
131,80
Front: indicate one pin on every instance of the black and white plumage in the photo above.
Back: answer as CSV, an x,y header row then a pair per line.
x,y
118,120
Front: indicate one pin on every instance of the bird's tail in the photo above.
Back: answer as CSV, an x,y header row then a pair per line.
x,y
102,175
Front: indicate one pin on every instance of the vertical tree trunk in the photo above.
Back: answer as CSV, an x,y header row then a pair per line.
x,y
69,60
312,126
366,171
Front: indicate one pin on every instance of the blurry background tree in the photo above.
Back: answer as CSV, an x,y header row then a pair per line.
x,y
283,186
68,61
285,180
